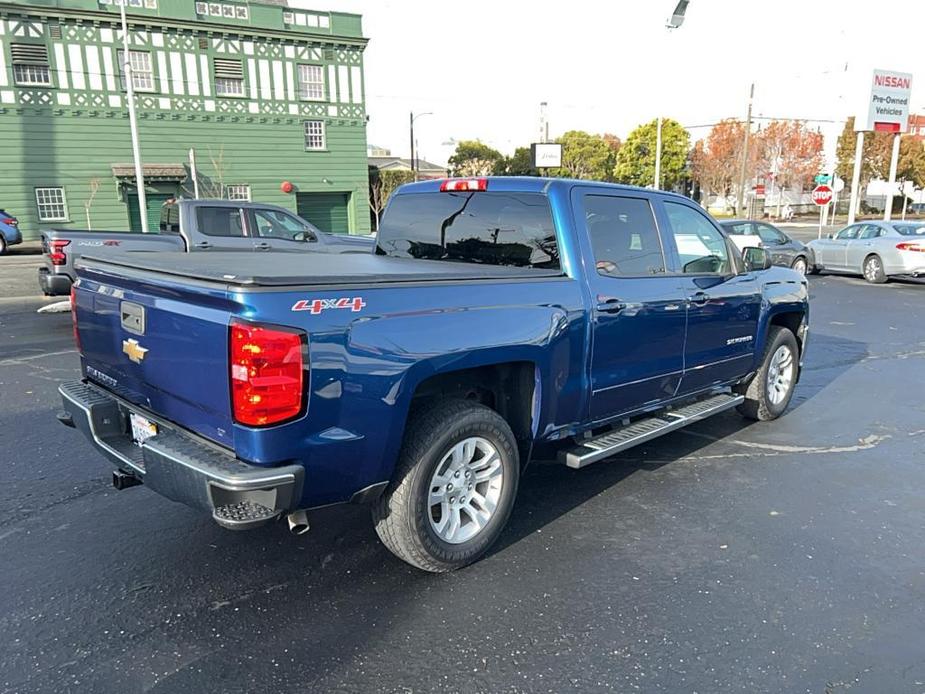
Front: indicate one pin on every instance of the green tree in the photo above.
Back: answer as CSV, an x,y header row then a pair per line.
x,y
636,158
518,164
381,186
474,158
585,156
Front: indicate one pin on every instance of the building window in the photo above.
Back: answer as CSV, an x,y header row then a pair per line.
x,y
314,134
202,8
311,82
51,204
229,77
142,73
239,191
30,65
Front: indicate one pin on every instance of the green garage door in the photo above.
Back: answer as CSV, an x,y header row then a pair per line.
x,y
155,201
327,211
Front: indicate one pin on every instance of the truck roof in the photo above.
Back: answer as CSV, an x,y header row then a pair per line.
x,y
528,184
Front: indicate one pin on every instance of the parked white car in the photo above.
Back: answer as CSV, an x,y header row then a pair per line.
x,y
877,250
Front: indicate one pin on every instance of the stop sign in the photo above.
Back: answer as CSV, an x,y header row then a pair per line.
x,y
822,195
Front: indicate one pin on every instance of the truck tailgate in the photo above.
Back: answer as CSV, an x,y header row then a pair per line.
x,y
161,346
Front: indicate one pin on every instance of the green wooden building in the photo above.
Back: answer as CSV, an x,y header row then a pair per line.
x,y
260,92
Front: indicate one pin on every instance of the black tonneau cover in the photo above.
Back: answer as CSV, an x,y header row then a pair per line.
x,y
287,269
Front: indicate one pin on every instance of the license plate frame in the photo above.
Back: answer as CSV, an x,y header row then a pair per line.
x,y
142,428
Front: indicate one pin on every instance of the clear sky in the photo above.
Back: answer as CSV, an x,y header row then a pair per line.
x,y
483,68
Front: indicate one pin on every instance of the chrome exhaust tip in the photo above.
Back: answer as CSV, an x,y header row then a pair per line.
x,y
298,522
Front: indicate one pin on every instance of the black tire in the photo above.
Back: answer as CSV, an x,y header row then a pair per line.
x,y
873,269
813,270
759,405
3,245
402,514
800,265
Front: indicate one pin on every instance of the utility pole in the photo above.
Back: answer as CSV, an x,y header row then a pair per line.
x,y
414,172
658,153
133,121
740,193
411,119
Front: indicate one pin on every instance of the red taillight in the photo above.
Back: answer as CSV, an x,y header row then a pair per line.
x,y
910,247
463,184
74,316
56,253
9,222
266,374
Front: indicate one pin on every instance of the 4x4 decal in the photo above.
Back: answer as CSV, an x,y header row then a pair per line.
x,y
316,306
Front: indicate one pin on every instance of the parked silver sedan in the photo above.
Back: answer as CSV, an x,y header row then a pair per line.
x,y
877,250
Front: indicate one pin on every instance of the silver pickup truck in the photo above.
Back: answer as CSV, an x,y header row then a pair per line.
x,y
193,226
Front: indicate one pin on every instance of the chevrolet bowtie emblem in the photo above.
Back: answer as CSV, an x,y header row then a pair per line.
x,y
134,351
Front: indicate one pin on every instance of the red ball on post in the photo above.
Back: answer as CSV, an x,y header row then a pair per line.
x,y
286,187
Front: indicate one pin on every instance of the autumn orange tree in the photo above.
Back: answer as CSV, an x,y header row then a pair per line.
x,y
791,149
716,160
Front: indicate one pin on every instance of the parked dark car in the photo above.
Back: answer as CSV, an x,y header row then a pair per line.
x,y
784,251
9,231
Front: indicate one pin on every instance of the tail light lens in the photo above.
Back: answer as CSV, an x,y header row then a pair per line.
x,y
9,221
267,374
74,316
910,247
56,251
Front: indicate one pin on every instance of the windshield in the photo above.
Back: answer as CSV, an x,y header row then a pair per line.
x,y
491,228
910,229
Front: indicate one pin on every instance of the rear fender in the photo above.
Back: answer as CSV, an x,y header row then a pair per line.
x,y
406,350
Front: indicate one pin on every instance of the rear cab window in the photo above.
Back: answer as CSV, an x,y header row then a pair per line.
x,y
170,218
493,228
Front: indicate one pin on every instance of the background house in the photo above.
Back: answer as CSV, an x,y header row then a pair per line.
x,y
261,92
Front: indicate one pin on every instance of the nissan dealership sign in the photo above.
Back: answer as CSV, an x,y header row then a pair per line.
x,y
888,103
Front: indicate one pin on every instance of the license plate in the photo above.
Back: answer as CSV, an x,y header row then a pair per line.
x,y
142,429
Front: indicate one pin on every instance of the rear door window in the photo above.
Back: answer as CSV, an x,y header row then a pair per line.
x,y
870,231
770,235
623,236
473,227
220,220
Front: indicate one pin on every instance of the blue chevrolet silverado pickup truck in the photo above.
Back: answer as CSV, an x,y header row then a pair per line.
x,y
497,321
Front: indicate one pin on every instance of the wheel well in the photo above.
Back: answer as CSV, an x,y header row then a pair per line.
x,y
790,320
506,388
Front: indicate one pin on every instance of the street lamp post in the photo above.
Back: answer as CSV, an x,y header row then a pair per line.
x,y
411,119
674,22
133,121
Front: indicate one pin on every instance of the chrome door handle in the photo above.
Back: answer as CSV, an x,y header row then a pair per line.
x,y
610,304
203,245
699,299
264,246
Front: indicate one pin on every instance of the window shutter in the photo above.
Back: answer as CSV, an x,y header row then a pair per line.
x,y
228,69
26,53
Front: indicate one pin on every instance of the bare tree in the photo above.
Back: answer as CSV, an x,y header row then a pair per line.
x,y
92,187
214,186
381,186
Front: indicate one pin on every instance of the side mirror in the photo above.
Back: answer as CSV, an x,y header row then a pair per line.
x,y
756,259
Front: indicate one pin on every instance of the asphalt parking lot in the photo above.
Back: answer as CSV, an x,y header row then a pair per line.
x,y
729,557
